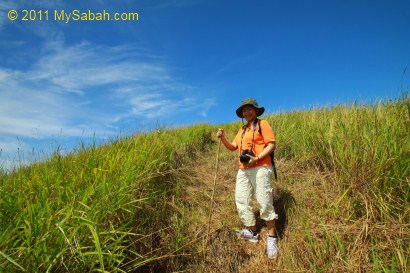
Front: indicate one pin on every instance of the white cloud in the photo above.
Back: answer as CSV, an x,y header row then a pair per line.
x,y
157,105
51,88
29,109
10,145
90,87
86,65
12,153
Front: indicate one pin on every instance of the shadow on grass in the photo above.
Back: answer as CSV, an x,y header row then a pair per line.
x,y
283,201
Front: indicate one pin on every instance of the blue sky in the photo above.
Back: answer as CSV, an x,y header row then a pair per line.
x,y
187,61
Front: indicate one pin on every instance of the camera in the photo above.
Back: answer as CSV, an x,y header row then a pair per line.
x,y
244,158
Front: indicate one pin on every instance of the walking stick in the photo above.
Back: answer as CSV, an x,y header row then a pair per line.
x,y
212,197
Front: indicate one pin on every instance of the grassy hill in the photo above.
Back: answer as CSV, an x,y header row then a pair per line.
x,y
141,203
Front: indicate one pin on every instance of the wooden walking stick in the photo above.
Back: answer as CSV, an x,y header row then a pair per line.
x,y
212,197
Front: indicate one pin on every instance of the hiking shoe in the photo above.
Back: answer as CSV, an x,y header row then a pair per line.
x,y
272,248
248,235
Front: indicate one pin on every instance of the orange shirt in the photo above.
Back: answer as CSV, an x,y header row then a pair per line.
x,y
259,142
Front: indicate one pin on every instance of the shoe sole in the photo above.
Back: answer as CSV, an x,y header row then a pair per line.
x,y
249,239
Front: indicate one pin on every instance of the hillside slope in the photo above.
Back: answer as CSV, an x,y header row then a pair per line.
x,y
342,196
315,232
142,203
316,229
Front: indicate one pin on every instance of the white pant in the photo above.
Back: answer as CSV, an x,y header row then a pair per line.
x,y
256,181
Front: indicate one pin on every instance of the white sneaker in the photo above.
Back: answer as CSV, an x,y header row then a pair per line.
x,y
247,235
272,248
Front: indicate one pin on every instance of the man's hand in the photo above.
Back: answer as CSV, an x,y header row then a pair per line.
x,y
253,160
220,133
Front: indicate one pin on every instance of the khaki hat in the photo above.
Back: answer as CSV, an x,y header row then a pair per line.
x,y
249,101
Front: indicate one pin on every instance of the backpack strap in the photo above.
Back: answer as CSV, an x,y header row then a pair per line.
x,y
272,154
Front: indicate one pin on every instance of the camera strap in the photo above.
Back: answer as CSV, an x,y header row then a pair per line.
x,y
253,136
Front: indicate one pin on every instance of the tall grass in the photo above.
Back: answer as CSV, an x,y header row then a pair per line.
x,y
99,208
343,191
344,177
367,146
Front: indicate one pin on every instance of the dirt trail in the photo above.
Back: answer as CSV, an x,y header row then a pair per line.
x,y
317,232
225,252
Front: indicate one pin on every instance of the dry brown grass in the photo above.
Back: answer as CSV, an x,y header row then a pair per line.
x,y
317,230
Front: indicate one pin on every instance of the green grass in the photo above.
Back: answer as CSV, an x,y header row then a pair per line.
x,y
121,206
99,208
367,146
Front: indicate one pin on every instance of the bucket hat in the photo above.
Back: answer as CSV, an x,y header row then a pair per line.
x,y
250,101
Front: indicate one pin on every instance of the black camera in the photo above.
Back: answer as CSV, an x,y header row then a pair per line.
x,y
244,158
